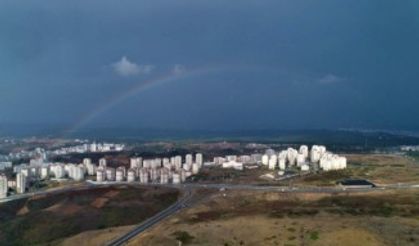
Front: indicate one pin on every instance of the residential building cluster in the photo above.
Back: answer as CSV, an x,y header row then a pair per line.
x,y
24,154
89,148
43,154
159,170
175,169
303,158
409,148
5,164
19,184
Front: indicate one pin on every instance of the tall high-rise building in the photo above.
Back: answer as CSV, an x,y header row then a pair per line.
x,y
102,162
178,162
199,159
3,186
20,183
189,159
93,147
91,169
78,173
136,162
87,161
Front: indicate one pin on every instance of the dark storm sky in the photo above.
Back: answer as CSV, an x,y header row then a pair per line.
x,y
232,64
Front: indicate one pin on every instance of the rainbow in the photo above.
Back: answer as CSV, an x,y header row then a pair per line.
x,y
132,91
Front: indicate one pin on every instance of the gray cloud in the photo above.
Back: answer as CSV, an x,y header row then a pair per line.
x,y
125,67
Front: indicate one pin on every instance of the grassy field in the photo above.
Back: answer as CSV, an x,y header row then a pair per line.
x,y
378,168
249,218
223,175
47,219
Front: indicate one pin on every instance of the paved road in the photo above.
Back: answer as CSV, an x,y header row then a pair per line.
x,y
181,203
296,189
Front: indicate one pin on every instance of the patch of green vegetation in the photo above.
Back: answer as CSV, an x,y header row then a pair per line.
x,y
209,215
8,210
101,226
314,235
183,237
39,204
270,238
413,154
329,177
243,202
294,212
37,185
386,210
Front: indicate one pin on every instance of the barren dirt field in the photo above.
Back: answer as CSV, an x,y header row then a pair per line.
x,y
95,237
254,218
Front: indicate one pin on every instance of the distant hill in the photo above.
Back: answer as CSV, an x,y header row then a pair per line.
x,y
361,138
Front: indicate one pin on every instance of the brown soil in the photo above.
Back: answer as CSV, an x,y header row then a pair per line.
x,y
95,237
64,208
24,210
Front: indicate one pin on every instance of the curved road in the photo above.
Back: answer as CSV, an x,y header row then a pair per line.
x,y
181,203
